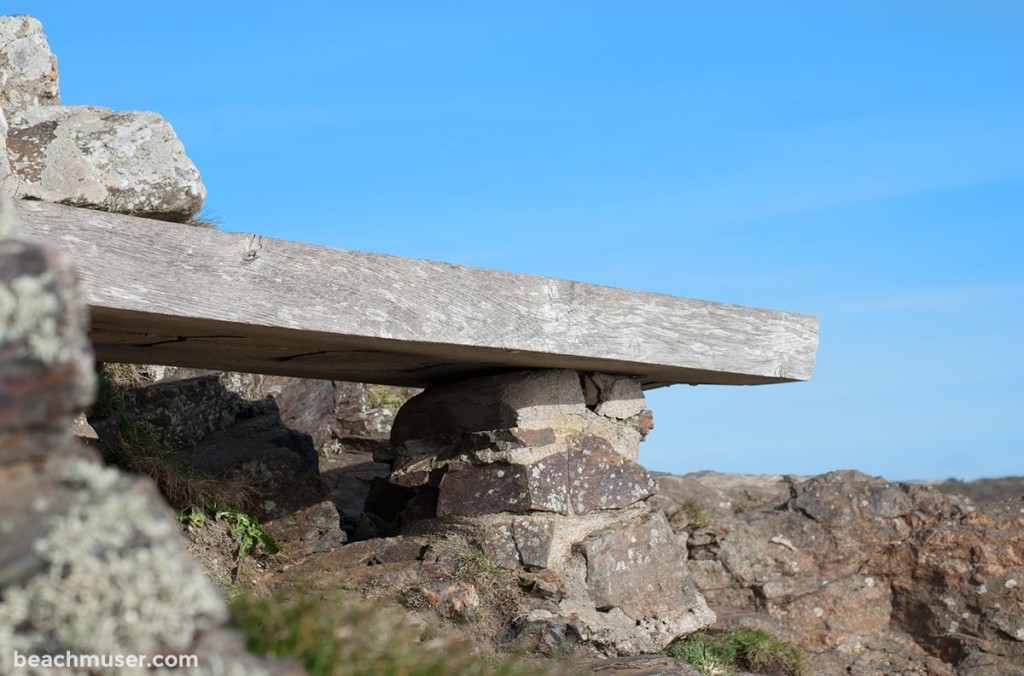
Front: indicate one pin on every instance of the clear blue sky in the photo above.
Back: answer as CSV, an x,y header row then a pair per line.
x,y
861,161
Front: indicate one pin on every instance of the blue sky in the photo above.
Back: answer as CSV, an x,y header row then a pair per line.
x,y
863,162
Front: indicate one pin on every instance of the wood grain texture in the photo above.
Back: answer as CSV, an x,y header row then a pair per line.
x,y
180,295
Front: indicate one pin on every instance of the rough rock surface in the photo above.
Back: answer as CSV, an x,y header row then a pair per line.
x,y
983,491
521,442
537,469
87,156
637,568
338,416
91,560
28,69
870,576
244,442
8,181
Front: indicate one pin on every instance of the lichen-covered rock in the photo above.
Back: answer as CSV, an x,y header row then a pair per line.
x,y
533,537
47,361
958,586
8,181
639,569
522,399
113,577
338,416
28,69
517,417
600,478
178,413
91,559
87,156
469,490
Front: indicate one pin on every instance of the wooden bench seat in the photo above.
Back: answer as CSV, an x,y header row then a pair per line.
x,y
164,293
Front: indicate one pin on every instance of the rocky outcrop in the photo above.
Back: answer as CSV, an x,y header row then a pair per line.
x,y
124,161
28,69
87,156
91,560
869,576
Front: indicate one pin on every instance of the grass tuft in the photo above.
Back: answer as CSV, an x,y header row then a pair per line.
x,y
385,396
331,637
747,649
207,219
691,512
134,447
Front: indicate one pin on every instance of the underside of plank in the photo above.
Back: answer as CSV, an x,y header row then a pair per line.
x,y
165,293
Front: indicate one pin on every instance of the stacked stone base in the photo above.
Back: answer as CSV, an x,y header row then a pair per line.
x,y
538,469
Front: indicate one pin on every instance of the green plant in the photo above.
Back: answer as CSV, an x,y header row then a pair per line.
x,y
691,512
193,516
383,396
248,531
761,652
711,659
748,649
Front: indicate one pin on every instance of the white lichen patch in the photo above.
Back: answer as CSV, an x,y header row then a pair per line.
x,y
116,578
28,312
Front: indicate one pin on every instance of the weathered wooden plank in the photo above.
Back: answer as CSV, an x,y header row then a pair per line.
x,y
180,295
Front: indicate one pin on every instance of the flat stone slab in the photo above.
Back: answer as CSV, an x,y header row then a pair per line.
x,y
162,293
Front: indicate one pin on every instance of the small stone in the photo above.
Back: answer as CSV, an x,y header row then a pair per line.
x,y
458,601
643,423
618,397
543,584
533,540
543,632
471,490
499,546
600,478
81,428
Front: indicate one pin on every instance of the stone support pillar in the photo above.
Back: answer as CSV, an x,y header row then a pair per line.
x,y
539,469
538,448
